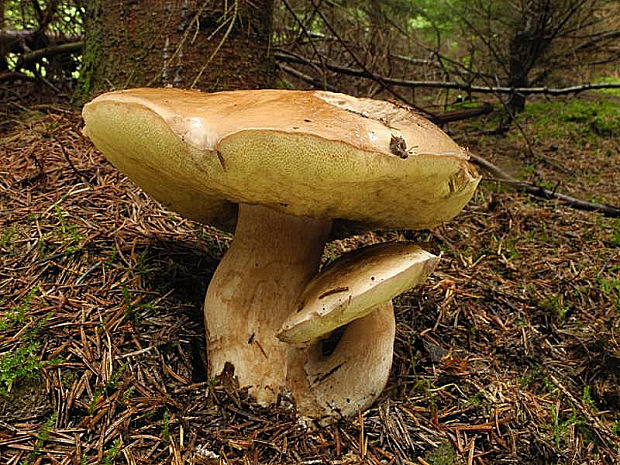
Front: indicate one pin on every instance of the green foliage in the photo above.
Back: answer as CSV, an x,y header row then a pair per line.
x,y
615,429
561,427
19,14
22,360
106,388
477,399
65,235
610,286
529,377
7,236
587,399
615,235
127,394
165,432
69,233
609,80
442,455
110,456
555,304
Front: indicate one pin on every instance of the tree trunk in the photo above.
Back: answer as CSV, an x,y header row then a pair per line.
x,y
529,42
3,51
208,45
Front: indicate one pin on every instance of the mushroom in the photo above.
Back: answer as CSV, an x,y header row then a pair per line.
x,y
287,169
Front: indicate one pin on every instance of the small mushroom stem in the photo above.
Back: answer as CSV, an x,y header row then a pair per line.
x,y
352,377
255,288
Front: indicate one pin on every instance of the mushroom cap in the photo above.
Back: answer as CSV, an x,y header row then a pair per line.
x,y
309,153
352,287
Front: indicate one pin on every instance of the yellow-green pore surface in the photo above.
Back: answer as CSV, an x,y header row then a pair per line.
x,y
317,154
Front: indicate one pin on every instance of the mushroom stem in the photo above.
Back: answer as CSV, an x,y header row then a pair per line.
x,y
327,387
255,288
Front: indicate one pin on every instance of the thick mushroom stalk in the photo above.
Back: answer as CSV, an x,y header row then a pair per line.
x,y
256,286
267,311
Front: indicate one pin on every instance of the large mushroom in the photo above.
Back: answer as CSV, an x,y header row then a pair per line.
x,y
287,169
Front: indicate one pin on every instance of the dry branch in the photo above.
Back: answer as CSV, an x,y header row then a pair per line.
x,y
370,75
9,76
27,40
537,191
461,115
470,88
442,118
307,78
53,50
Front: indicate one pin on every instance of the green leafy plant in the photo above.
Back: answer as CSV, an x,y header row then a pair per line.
x,y
555,303
165,432
615,235
69,233
110,456
17,314
22,360
7,236
110,385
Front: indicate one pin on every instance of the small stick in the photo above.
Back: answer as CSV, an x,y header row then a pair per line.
x,y
537,191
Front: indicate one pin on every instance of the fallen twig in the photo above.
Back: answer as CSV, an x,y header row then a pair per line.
x,y
537,191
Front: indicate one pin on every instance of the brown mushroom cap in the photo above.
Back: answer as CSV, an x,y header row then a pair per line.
x,y
310,153
352,287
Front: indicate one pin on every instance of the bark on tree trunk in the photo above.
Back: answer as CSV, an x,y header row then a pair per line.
x,y
530,41
3,52
204,44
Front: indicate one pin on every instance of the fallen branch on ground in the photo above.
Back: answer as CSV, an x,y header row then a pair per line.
x,y
537,191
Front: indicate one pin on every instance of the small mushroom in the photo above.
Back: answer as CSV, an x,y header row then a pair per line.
x,y
353,285
287,169
356,290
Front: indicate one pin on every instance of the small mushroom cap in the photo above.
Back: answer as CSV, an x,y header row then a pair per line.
x,y
354,285
311,153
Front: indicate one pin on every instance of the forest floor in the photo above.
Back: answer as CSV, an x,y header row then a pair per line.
x,y
508,354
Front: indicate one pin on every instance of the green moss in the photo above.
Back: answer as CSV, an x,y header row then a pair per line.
x,y
93,51
608,80
442,455
555,303
110,456
5,239
578,120
16,316
18,363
